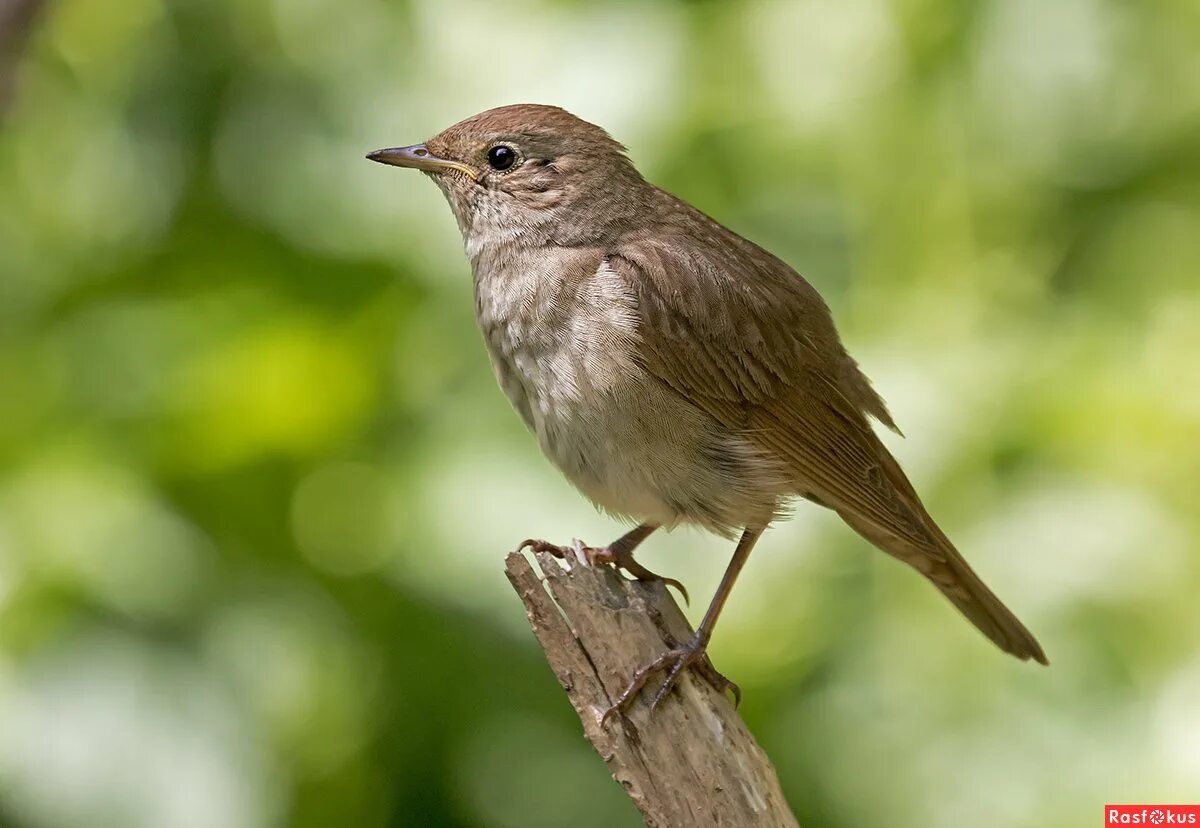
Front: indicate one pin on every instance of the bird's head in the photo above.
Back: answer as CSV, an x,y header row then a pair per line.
x,y
528,174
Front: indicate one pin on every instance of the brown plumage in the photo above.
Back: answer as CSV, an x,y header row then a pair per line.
x,y
674,371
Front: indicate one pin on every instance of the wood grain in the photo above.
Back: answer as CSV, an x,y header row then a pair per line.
x,y
690,764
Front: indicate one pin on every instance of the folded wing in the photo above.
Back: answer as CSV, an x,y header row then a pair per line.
x,y
771,365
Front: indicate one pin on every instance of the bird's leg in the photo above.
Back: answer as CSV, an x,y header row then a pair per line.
x,y
693,653
618,553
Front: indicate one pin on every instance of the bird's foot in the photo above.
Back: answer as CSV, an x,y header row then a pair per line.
x,y
597,555
673,662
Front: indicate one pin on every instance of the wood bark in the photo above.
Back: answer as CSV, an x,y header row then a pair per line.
x,y
691,763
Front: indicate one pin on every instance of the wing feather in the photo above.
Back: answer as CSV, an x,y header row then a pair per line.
x,y
746,339
760,353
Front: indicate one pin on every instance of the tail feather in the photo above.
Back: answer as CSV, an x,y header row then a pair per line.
x,y
946,569
987,612
940,562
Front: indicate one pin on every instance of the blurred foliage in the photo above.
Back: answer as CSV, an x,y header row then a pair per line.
x,y
256,482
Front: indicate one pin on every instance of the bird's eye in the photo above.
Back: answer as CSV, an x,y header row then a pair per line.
x,y
501,157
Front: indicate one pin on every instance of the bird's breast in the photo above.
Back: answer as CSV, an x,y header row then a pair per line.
x,y
561,336
563,339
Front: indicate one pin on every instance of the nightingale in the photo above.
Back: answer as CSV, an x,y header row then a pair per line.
x,y
675,372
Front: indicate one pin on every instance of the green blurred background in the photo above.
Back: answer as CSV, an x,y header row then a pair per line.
x,y
257,482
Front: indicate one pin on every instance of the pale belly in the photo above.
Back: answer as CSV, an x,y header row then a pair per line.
x,y
623,438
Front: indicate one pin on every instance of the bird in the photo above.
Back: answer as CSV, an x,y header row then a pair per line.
x,y
675,372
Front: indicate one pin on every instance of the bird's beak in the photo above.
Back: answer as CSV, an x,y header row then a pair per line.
x,y
417,157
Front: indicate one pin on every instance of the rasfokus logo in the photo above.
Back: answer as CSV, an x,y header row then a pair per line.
x,y
1152,815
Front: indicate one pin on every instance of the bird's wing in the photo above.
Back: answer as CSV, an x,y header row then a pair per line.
x,y
744,338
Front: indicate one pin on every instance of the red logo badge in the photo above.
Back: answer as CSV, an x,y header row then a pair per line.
x,y
1152,815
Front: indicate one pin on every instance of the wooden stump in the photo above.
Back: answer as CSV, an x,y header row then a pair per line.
x,y
690,764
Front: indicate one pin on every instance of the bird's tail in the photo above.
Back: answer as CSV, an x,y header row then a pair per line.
x,y
970,594
937,559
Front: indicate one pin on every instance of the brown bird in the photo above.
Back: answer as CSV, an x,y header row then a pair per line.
x,y
674,371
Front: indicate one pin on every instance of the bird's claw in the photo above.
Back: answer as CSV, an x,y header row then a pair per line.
x,y
598,555
673,661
